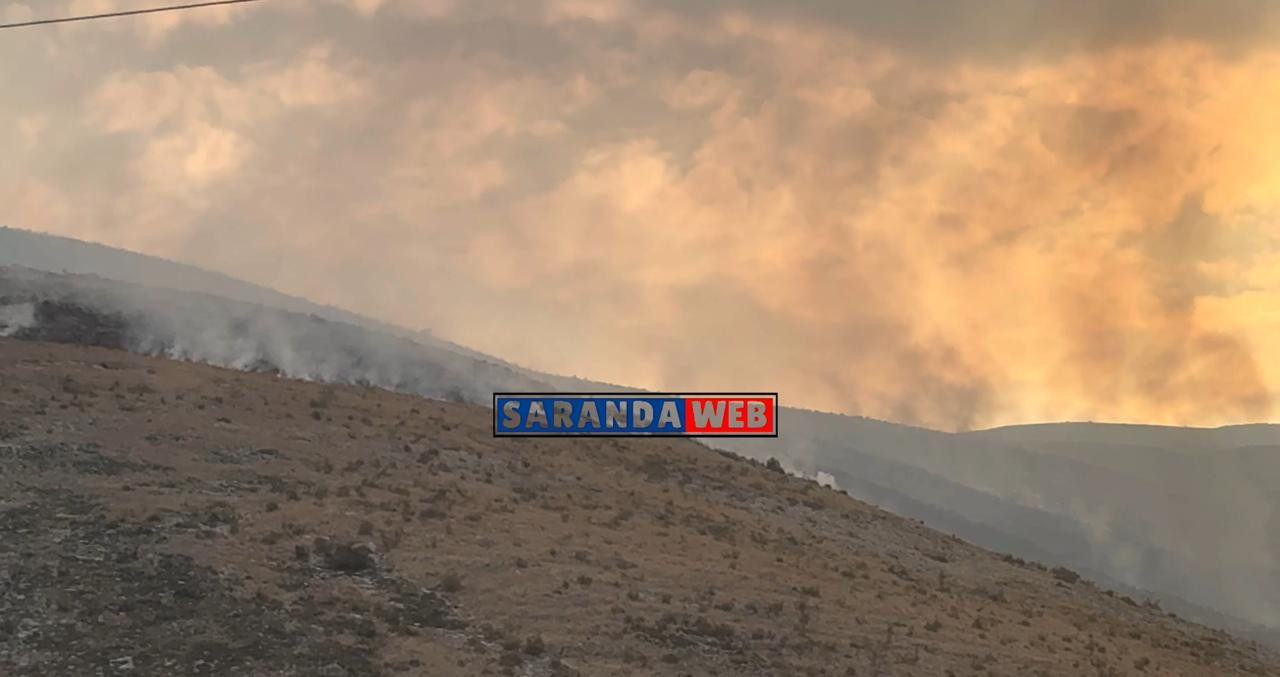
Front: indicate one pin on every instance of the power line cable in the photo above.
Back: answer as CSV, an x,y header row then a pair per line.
x,y
131,12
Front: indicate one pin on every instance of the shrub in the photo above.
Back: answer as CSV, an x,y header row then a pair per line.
x,y
1065,575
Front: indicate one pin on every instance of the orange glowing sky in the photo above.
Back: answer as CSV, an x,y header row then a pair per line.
x,y
958,214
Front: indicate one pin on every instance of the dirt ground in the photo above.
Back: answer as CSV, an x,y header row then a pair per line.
x,y
165,518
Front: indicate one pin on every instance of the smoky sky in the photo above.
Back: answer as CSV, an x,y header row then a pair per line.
x,y
949,214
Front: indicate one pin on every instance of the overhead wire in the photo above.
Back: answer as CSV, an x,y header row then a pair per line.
x,y
123,13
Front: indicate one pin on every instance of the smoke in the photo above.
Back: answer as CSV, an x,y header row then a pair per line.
x,y
16,317
1137,342
198,327
955,217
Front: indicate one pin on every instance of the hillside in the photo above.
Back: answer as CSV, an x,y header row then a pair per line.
x,y
161,517
190,325
1146,510
1151,508
91,265
90,262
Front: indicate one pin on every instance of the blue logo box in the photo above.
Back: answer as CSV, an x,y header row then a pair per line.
x,y
639,414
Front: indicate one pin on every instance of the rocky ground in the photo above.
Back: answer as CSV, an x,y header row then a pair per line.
x,y
165,518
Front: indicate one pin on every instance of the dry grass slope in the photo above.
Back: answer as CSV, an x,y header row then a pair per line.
x,y
169,518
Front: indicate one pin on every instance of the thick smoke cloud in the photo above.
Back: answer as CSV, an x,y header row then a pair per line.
x,y
956,214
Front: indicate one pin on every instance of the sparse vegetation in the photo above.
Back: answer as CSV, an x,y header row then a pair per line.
x,y
1065,575
492,557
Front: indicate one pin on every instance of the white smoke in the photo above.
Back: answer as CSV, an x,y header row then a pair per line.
x,y
239,335
15,317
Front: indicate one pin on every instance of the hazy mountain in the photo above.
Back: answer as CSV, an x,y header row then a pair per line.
x,y
1189,514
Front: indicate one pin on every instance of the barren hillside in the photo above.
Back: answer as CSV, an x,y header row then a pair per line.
x,y
170,518
1126,506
